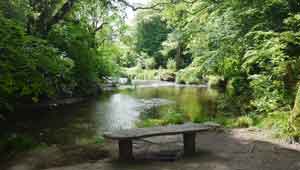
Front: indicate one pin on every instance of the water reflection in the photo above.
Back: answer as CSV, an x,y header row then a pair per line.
x,y
115,110
119,111
194,102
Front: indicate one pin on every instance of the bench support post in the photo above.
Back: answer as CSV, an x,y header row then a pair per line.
x,y
125,149
189,143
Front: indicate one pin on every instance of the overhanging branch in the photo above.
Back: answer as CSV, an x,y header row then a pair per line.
x,y
153,7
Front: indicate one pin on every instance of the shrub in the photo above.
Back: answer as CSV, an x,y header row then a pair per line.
x,y
278,122
150,123
173,118
215,81
167,118
244,122
150,63
171,64
30,67
147,75
16,143
188,75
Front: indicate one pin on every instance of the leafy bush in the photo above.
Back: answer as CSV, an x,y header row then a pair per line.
x,y
215,81
150,63
150,123
77,42
243,122
171,64
188,75
16,143
167,118
30,67
147,75
144,74
278,122
173,118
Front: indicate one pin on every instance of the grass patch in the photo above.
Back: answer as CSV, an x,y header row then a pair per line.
x,y
150,123
277,122
165,119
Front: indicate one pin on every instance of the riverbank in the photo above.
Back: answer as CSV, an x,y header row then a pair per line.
x,y
52,103
238,149
157,83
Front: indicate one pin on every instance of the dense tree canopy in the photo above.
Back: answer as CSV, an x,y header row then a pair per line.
x,y
57,48
151,31
253,45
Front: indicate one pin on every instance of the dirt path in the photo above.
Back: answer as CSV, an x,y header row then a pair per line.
x,y
238,149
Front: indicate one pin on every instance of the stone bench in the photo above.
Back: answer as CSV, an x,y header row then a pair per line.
x,y
188,131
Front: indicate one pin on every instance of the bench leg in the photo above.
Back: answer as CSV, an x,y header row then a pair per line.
x,y
125,150
189,143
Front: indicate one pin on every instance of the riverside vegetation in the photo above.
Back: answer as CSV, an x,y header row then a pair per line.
x,y
249,49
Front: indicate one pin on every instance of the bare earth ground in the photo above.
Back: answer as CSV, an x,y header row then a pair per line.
x,y
237,149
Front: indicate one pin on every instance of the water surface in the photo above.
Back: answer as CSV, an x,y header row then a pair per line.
x,y
119,109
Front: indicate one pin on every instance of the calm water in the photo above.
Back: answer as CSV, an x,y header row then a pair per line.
x,y
115,110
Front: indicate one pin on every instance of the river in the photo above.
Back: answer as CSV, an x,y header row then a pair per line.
x,y
117,109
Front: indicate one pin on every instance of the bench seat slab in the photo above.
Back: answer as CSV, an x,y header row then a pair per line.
x,y
159,131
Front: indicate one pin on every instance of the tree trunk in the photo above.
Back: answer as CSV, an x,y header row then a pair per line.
x,y
178,57
42,25
295,115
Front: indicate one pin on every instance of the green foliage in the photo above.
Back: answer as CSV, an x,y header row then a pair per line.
x,y
99,140
215,81
220,119
15,10
173,117
171,64
189,75
294,125
128,59
252,45
150,63
140,74
145,74
90,63
150,123
131,73
278,122
77,42
30,67
151,32
52,49
244,122
16,143
168,118
64,60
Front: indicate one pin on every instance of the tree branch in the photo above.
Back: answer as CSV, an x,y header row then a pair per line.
x,y
135,8
100,26
65,9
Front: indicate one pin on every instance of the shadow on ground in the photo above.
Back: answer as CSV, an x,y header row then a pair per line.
x,y
240,149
